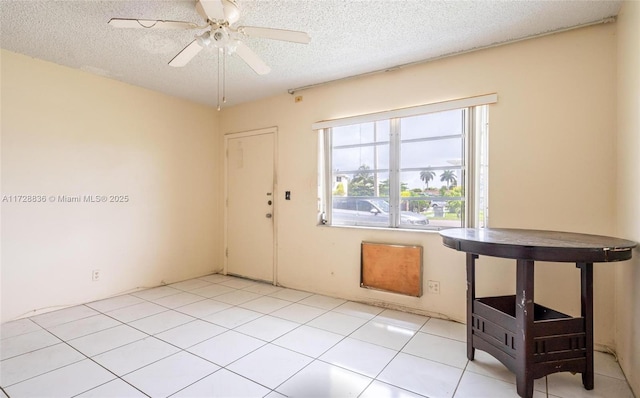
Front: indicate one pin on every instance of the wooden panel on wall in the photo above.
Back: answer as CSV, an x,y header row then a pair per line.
x,y
390,267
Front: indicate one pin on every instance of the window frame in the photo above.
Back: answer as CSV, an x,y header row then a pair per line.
x,y
473,174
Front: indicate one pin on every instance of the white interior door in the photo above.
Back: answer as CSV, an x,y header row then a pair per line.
x,y
250,204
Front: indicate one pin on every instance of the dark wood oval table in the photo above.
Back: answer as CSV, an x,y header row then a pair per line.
x,y
530,339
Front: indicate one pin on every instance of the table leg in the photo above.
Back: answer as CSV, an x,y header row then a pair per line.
x,y
471,296
586,282
524,327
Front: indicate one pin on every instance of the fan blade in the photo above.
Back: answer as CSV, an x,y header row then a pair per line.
x,y
251,59
211,9
150,24
186,54
276,34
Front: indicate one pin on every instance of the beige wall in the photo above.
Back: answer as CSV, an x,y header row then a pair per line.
x,y
627,287
552,155
66,132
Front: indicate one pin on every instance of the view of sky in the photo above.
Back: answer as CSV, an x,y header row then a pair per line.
x,y
432,140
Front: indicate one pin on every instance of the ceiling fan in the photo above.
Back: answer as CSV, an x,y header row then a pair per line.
x,y
219,15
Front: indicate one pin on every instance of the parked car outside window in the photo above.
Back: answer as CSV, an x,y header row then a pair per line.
x,y
439,203
369,212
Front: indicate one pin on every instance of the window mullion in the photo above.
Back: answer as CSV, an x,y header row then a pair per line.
x,y
394,173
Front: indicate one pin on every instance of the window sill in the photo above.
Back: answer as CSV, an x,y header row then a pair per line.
x,y
385,229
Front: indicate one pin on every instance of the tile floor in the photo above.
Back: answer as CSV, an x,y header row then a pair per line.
x,y
219,336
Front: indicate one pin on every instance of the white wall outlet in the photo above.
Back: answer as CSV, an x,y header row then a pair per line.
x,y
433,287
95,275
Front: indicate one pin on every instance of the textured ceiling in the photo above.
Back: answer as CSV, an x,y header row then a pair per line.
x,y
347,38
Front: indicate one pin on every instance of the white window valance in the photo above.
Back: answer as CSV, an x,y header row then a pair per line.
x,y
411,111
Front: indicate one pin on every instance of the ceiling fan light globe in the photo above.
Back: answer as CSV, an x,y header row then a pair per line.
x,y
204,40
220,38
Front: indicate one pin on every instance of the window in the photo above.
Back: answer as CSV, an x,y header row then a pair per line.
x,y
416,168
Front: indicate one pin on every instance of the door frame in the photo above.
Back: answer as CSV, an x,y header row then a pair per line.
x,y
228,136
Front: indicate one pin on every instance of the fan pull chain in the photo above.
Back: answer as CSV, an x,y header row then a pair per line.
x,y
224,76
220,74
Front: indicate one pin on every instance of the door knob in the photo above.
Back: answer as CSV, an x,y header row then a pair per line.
x,y
269,215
